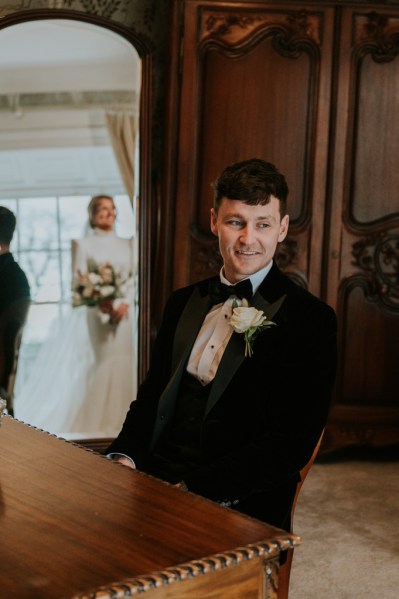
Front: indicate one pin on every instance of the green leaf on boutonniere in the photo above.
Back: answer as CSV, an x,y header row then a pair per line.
x,y
249,321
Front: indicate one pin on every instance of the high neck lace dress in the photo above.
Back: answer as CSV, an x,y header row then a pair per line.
x,y
85,377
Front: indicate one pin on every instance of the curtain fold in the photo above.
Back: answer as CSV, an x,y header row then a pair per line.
x,y
123,131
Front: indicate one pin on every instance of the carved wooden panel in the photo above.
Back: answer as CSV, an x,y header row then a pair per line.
x,y
364,269
255,82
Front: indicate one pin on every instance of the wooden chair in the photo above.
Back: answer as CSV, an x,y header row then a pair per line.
x,y
285,569
12,322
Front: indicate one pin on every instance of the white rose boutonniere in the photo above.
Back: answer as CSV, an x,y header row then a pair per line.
x,y
249,321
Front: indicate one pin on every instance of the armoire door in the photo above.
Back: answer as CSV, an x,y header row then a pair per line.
x,y
306,87
363,240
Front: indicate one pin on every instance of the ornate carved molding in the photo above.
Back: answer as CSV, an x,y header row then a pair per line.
x,y
302,31
287,253
207,262
378,256
378,35
268,550
291,32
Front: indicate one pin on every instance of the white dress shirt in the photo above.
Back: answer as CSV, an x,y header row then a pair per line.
x,y
215,333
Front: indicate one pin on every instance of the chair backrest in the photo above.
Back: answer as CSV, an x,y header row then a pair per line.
x,y
12,321
285,568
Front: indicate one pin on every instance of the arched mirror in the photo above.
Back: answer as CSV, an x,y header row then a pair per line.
x,y
75,123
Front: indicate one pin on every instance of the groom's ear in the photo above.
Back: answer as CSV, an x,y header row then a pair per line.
x,y
284,224
214,218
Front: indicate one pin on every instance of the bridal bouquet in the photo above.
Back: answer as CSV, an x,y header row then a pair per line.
x,y
103,287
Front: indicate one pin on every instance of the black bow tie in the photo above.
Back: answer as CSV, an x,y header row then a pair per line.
x,y
220,292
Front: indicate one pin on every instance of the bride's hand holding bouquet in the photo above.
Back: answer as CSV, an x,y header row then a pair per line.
x,y
113,310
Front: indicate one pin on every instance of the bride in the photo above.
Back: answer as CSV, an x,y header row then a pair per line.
x,y
85,378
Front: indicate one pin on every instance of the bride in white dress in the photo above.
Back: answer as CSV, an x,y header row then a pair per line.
x,y
90,386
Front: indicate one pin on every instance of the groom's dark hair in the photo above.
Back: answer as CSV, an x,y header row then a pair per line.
x,y
251,181
8,222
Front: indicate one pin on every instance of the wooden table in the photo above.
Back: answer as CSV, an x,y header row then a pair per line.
x,y
74,524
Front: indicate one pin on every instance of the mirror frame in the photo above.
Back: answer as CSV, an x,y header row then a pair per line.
x,y
145,146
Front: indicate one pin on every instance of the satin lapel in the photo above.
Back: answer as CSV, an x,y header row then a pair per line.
x,y
260,303
189,325
234,353
186,332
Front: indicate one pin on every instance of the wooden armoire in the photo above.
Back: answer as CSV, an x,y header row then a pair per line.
x,y
314,88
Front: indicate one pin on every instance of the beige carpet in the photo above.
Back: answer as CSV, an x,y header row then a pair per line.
x,y
348,519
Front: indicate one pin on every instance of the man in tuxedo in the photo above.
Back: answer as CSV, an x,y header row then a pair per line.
x,y
229,420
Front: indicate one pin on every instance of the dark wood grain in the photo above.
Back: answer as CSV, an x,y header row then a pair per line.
x,y
72,520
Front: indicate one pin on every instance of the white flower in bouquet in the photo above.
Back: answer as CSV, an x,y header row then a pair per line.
x,y
107,291
95,279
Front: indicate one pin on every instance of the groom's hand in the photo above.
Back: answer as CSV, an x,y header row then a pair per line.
x,y
125,461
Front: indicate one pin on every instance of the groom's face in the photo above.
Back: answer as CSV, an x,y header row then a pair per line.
x,y
248,235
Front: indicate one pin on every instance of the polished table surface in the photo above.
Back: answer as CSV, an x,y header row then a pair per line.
x,y
74,524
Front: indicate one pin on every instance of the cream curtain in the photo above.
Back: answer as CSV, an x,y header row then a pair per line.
x,y
123,130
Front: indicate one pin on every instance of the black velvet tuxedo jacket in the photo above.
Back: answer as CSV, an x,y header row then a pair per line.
x,y
264,413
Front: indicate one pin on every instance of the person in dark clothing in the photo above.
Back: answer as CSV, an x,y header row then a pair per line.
x,y
13,281
14,300
240,381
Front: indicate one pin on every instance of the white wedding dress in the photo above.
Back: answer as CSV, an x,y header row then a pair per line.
x,y
85,377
